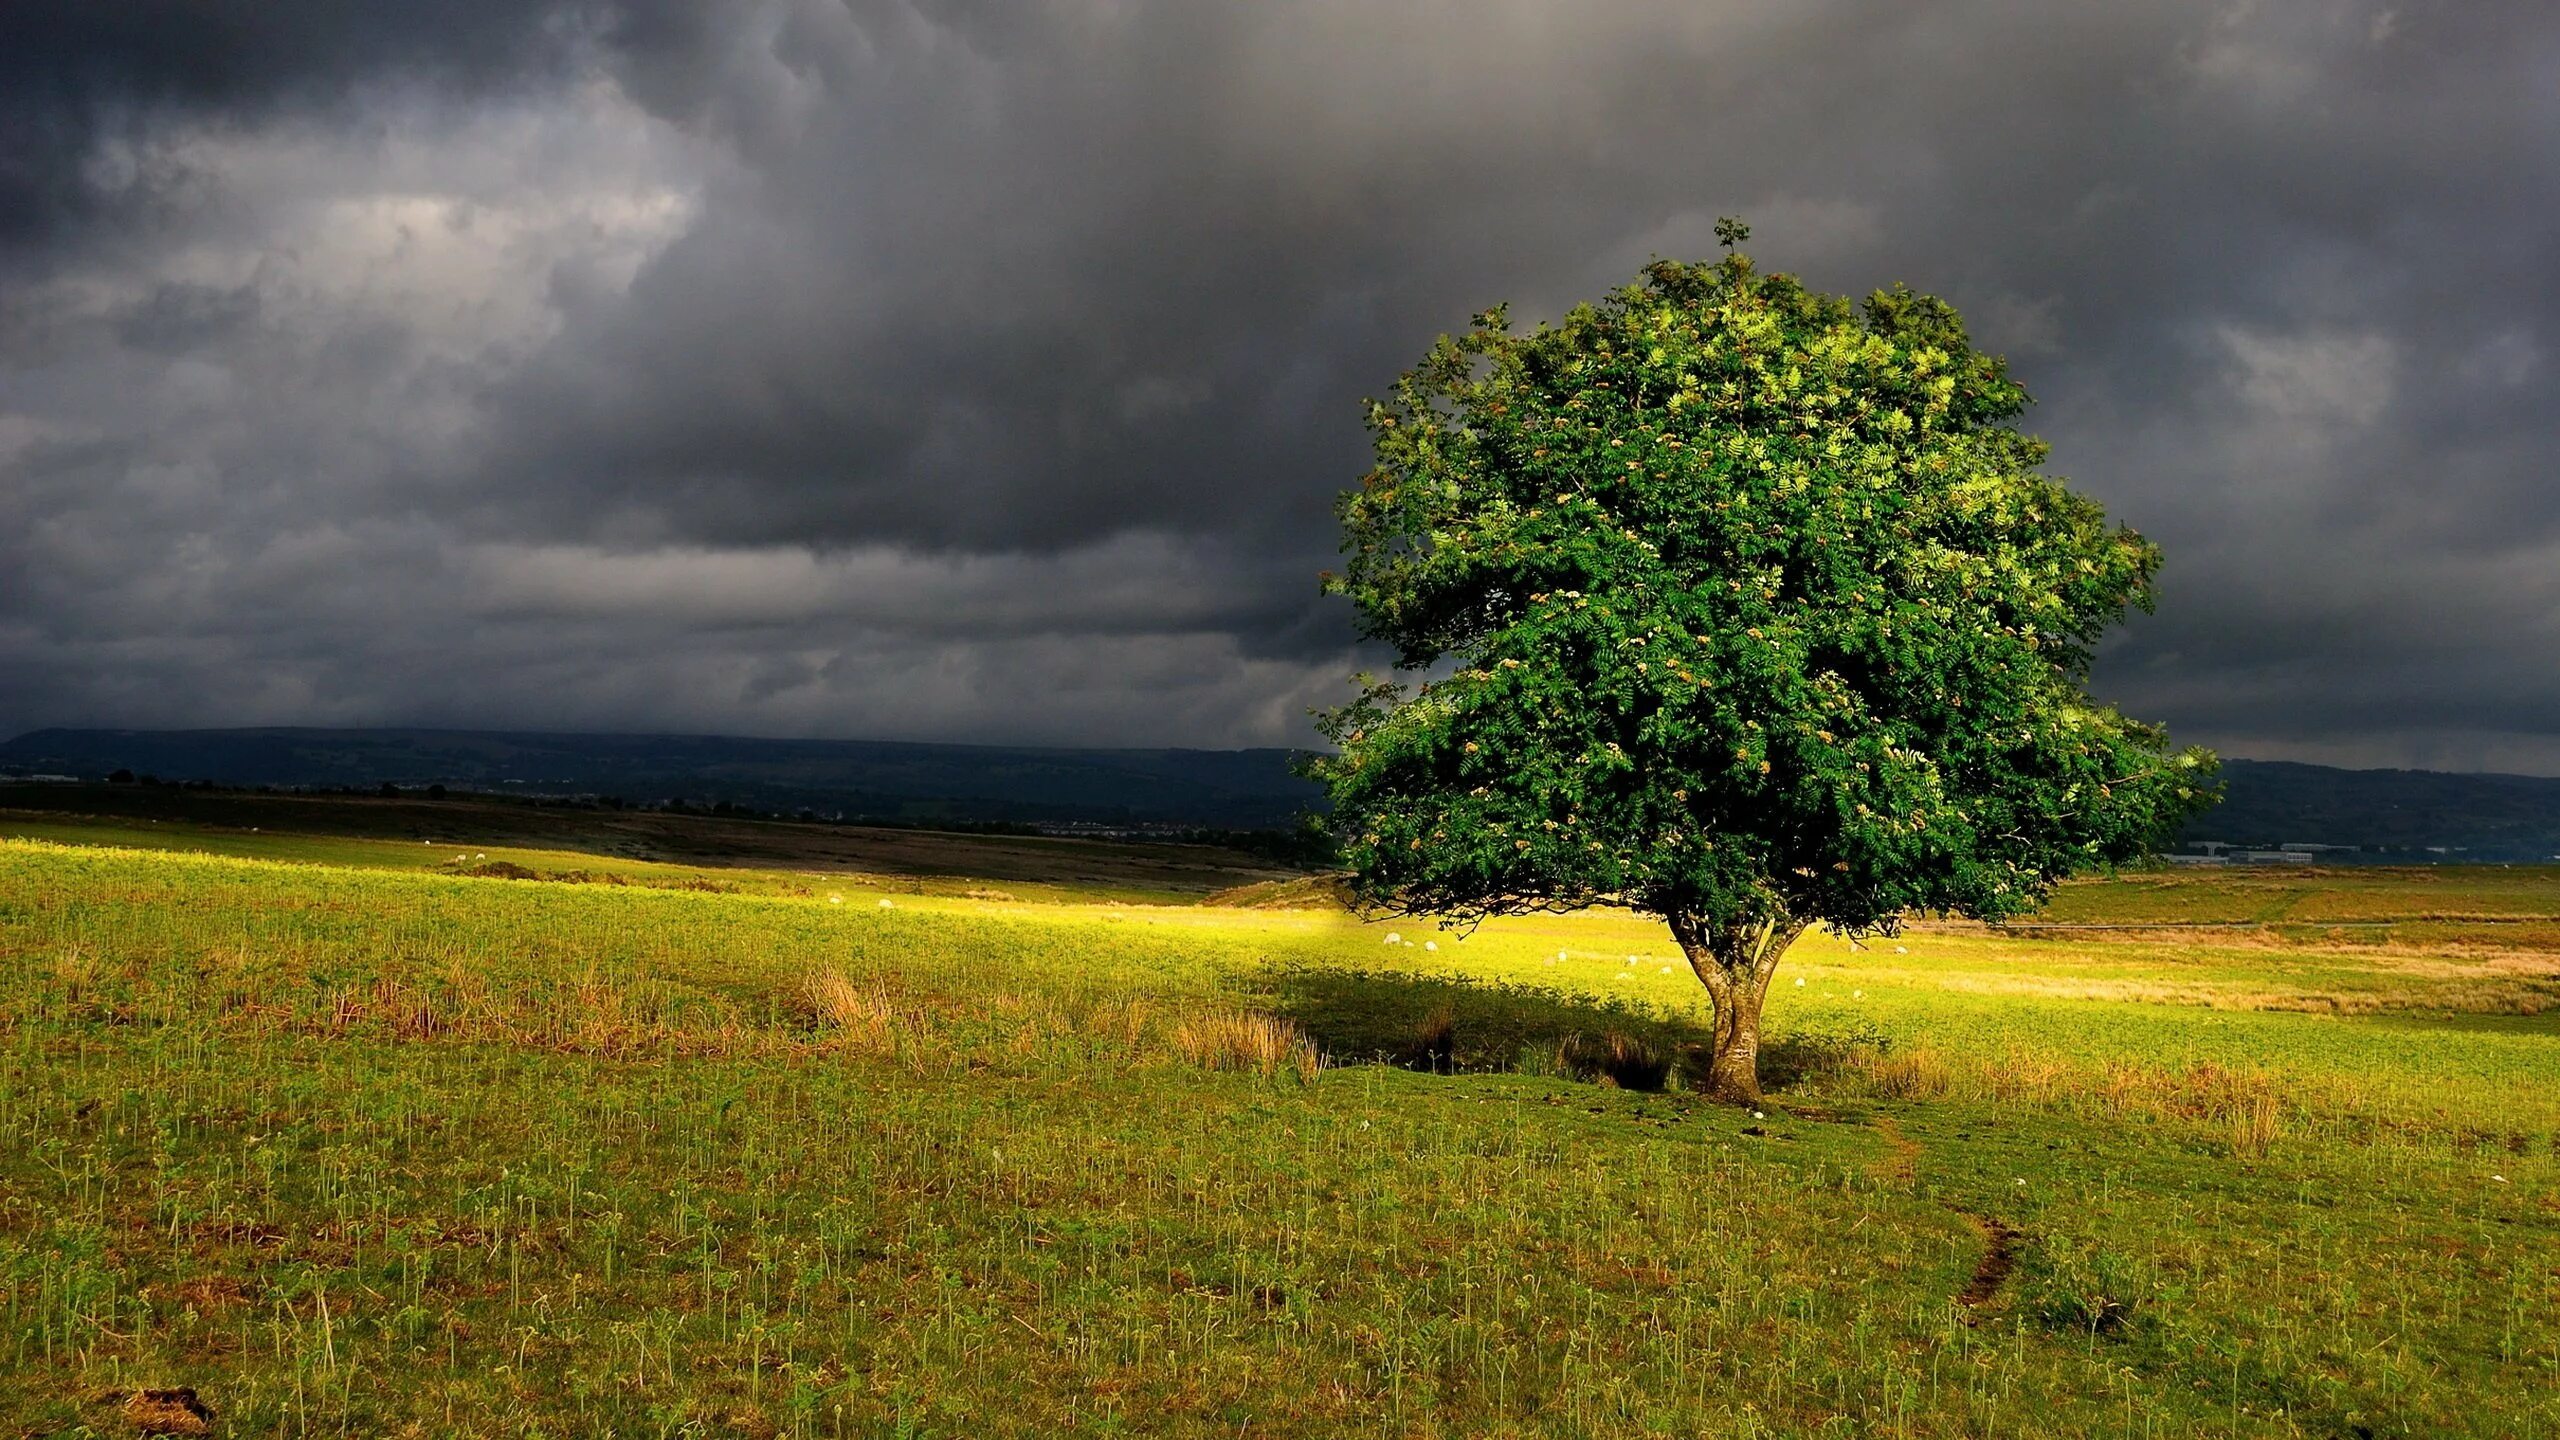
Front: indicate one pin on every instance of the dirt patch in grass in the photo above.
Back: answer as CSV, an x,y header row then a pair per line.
x,y
1999,1257
1903,1165
177,1411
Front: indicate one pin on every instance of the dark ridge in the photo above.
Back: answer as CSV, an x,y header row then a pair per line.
x,y
2390,816
831,779
2394,816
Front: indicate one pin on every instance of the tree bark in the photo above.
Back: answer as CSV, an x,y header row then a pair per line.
x,y
1735,962
1733,1067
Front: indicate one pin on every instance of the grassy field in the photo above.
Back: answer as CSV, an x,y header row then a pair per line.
x,y
349,1140
407,831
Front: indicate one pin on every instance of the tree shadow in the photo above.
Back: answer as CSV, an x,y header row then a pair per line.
x,y
1450,1027
1447,1026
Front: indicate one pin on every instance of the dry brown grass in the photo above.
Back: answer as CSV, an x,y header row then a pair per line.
x,y
1246,1040
2250,1106
1614,1059
1119,1022
1091,1029
2256,1124
822,1010
2486,983
1908,1075
75,968
862,1016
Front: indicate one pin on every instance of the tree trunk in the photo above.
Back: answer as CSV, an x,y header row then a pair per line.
x,y
1733,1067
1735,962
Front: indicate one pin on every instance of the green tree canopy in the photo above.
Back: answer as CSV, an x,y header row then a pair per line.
x,y
1756,612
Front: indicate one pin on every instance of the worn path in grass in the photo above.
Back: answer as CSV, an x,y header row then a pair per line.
x,y
1900,1166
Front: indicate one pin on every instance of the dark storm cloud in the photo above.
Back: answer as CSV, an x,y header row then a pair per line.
x,y
988,369
74,75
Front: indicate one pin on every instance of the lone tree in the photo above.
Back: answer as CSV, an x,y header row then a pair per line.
x,y
1756,613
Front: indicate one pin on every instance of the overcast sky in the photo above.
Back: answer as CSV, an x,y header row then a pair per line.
x,y
985,371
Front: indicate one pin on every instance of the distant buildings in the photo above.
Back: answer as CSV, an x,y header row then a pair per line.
x,y
2314,852
2292,852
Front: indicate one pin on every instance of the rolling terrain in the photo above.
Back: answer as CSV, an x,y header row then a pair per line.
x,y
358,1134
377,831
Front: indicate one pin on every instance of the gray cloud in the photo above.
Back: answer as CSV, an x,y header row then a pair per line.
x,y
987,370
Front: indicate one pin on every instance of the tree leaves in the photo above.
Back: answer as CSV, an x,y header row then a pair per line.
x,y
1755,604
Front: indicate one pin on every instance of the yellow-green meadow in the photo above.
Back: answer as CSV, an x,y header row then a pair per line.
x,y
349,1140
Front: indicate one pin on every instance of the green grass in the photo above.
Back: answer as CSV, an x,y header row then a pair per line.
x,y
413,831
361,1147
2348,894
378,854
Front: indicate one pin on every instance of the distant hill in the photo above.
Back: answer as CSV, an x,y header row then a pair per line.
x,y
2393,814
851,779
